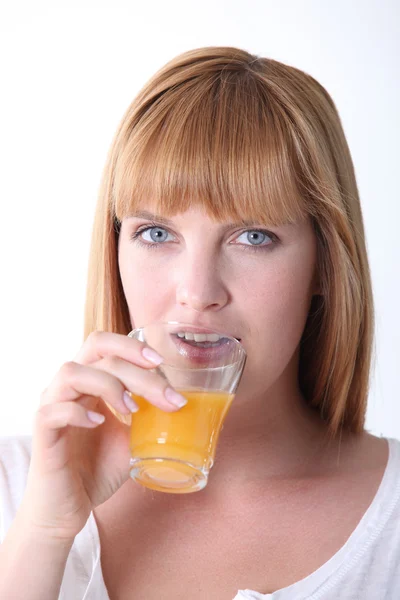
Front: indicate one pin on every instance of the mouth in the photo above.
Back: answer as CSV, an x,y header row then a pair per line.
x,y
200,332
202,340
202,348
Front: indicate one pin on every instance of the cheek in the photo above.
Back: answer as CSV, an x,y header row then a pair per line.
x,y
276,307
145,293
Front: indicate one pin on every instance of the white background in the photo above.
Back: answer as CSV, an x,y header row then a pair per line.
x,y
68,72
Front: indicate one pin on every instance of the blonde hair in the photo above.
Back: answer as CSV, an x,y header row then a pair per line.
x,y
248,138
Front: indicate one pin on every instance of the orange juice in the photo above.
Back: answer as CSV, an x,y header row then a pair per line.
x,y
174,446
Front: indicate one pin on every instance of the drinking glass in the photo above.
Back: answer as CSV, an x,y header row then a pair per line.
x,y
174,452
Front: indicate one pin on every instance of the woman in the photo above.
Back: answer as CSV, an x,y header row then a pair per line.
x,y
228,201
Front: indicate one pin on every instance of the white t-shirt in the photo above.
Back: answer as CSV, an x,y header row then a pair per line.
x,y
367,567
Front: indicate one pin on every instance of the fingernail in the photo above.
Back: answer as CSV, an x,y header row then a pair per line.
x,y
95,417
175,398
152,356
129,403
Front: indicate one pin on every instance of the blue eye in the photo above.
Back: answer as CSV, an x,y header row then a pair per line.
x,y
157,235
257,237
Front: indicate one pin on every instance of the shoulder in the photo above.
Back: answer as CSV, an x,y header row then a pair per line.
x,y
15,456
381,471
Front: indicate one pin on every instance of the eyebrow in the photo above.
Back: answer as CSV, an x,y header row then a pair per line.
x,y
144,214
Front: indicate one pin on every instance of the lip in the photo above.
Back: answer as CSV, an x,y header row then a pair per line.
x,y
182,326
201,356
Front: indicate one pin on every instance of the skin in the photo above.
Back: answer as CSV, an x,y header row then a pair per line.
x,y
274,488
260,294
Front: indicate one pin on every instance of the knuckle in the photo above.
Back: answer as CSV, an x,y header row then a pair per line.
x,y
94,335
93,338
90,346
111,361
68,369
43,412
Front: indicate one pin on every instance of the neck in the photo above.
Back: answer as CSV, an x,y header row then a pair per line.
x,y
268,443
269,438
272,436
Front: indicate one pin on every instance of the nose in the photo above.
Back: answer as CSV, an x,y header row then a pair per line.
x,y
200,286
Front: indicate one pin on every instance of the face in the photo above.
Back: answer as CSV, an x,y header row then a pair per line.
x,y
252,282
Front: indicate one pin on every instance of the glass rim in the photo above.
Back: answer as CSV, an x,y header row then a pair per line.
x,y
238,344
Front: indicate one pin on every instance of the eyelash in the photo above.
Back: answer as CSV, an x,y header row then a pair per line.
x,y
135,238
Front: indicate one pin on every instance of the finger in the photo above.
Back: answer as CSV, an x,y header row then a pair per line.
x,y
52,418
100,344
74,380
151,386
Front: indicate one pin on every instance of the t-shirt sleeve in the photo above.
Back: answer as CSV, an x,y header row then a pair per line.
x,y
15,456
82,578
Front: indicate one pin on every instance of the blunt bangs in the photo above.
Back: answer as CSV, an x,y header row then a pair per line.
x,y
216,140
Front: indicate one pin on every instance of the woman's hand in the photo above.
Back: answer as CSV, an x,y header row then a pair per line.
x,y
77,463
